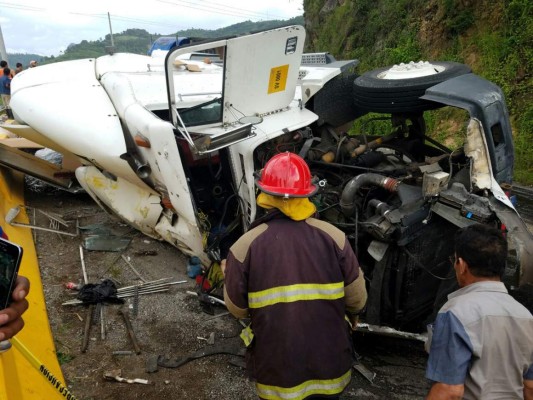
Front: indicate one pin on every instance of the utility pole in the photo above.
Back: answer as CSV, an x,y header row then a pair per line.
x,y
3,51
110,49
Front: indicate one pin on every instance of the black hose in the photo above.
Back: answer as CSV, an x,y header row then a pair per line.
x,y
380,206
352,187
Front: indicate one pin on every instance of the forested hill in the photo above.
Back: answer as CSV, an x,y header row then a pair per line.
x,y
138,40
494,37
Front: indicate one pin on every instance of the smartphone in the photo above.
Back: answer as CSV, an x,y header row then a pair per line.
x,y
10,257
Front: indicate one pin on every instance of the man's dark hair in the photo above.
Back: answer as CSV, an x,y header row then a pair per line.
x,y
7,71
19,65
3,64
483,248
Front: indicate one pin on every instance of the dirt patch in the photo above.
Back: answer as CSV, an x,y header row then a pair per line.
x,y
168,323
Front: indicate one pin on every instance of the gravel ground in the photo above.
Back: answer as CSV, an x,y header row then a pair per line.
x,y
169,323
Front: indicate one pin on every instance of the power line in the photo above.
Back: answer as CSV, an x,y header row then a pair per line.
x,y
123,18
92,15
220,9
21,7
237,8
267,14
207,6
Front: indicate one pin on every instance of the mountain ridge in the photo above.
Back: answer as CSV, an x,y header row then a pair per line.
x,y
138,41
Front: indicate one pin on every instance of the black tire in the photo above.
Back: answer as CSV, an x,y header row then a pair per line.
x,y
333,103
375,94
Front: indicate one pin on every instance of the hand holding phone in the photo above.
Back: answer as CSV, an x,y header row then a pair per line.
x,y
13,290
10,258
11,321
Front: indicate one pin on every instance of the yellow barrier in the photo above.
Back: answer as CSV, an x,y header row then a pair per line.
x,y
39,366
19,378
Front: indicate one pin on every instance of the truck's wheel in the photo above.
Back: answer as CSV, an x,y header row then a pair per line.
x,y
333,104
397,89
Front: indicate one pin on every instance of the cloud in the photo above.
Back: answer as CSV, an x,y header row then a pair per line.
x,y
46,28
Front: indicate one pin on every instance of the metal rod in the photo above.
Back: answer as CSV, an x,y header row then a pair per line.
x,y
133,268
145,284
102,322
216,316
141,291
135,311
87,329
120,296
141,287
130,332
12,214
85,279
56,218
209,297
41,228
147,290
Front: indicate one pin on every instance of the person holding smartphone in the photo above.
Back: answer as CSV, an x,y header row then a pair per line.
x,y
11,321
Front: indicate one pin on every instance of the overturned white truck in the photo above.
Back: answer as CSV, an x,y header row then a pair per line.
x,y
171,146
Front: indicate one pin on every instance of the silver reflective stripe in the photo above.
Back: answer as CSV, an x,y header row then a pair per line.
x,y
298,292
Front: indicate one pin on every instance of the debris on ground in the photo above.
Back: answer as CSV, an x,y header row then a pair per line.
x,y
115,375
167,323
157,286
233,346
106,291
106,243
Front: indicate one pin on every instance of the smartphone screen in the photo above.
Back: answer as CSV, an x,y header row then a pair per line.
x,y
10,257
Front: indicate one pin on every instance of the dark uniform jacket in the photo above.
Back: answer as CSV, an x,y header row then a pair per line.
x,y
296,280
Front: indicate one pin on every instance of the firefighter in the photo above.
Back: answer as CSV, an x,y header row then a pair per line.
x,y
297,279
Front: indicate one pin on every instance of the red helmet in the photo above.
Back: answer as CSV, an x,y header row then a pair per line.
x,y
286,174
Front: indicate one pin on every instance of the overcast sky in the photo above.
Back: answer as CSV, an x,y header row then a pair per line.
x,y
47,27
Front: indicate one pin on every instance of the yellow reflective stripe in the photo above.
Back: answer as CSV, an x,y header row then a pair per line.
x,y
247,335
292,293
308,388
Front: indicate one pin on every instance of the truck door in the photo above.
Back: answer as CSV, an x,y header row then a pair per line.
x,y
259,75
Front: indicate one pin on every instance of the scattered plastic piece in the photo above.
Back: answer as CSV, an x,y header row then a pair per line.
x,y
115,375
73,286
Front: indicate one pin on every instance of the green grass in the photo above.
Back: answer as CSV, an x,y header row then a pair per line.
x,y
64,358
495,39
